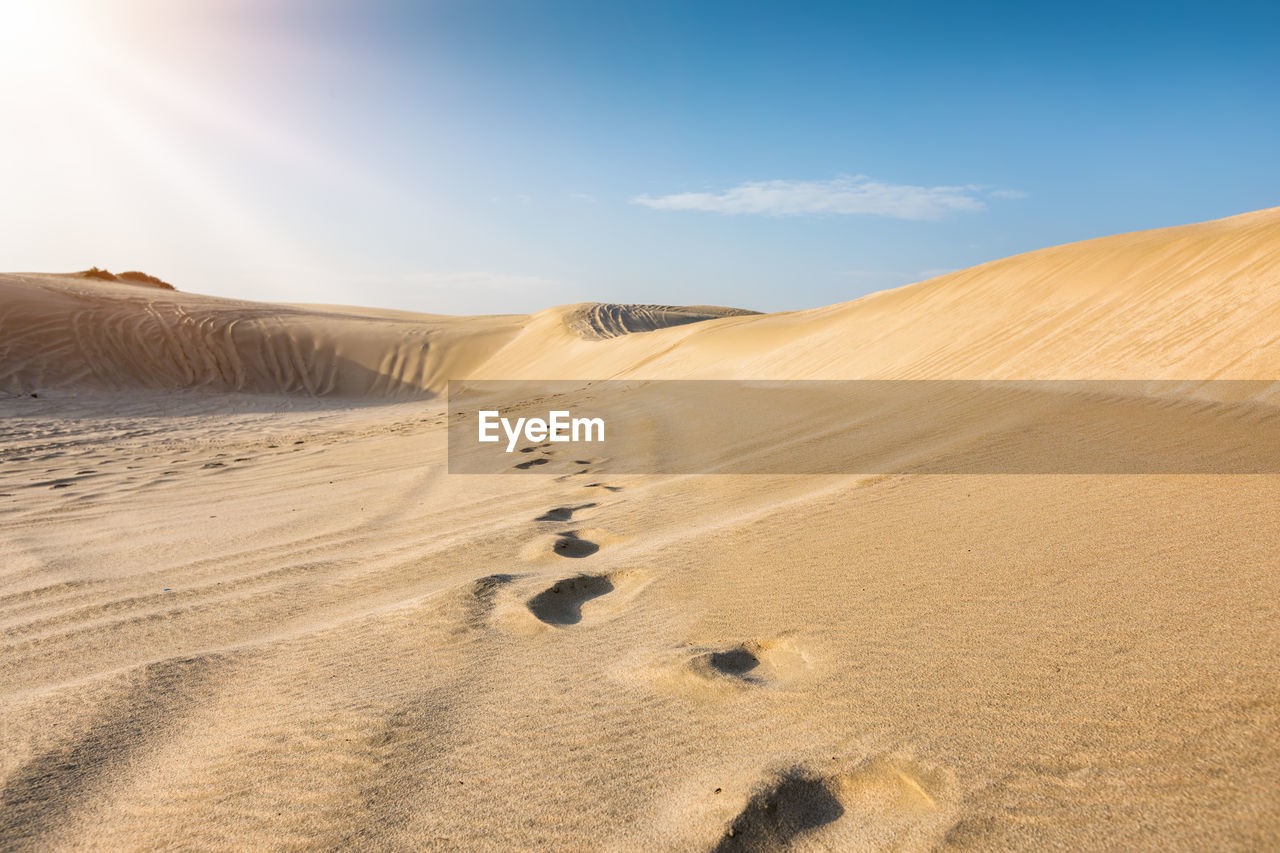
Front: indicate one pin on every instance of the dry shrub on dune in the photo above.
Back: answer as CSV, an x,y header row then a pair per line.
x,y
130,277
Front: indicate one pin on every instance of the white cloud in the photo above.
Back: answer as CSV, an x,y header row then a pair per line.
x,y
843,195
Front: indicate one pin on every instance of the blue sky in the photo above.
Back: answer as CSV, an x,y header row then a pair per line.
x,y
483,156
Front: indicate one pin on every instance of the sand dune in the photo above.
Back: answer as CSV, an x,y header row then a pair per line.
x,y
66,332
271,620
1182,303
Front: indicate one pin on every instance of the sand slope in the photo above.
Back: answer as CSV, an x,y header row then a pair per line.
x,y
267,621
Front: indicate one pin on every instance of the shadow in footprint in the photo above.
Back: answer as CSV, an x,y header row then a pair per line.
x,y
562,513
754,663
531,463
773,818
736,662
561,603
569,545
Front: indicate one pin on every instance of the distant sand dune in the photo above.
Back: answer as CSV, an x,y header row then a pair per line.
x,y
599,321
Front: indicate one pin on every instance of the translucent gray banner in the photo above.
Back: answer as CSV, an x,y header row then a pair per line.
x,y
864,427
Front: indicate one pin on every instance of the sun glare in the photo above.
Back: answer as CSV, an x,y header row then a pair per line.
x,y
119,127
37,36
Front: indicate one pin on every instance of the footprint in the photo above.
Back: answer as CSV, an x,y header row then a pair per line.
x,y
531,463
746,665
576,544
735,663
881,802
213,465
561,603
794,805
486,587
571,545
482,595
605,486
562,513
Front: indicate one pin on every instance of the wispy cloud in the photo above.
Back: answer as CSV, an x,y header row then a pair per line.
x,y
844,195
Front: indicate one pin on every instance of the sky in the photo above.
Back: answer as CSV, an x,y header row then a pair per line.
x,y
500,156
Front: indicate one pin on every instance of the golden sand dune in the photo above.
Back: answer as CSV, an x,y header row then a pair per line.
x,y
265,621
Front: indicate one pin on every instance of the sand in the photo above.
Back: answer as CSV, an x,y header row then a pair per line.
x,y
245,607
